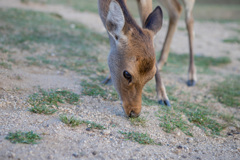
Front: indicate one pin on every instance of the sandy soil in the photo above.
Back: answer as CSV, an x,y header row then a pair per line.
x,y
62,142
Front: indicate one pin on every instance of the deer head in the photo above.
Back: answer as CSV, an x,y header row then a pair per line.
x,y
132,58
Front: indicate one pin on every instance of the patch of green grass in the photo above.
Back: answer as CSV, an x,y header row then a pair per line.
x,y
150,92
40,61
150,87
93,89
237,30
68,96
42,109
139,121
102,68
59,44
202,117
227,117
177,63
203,61
3,50
10,59
45,101
141,138
53,97
70,121
87,71
228,91
70,64
23,137
170,120
90,5
199,115
146,101
211,11
5,65
72,42
93,125
232,40
73,122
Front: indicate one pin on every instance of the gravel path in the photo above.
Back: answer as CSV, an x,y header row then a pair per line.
x,y
63,142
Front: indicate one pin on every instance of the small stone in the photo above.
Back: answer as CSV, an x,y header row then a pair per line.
x,y
198,158
229,134
82,154
88,129
179,147
176,151
50,157
94,153
186,148
75,155
40,120
184,156
11,155
189,140
178,133
106,132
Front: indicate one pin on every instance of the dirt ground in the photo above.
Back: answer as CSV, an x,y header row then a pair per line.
x,y
63,142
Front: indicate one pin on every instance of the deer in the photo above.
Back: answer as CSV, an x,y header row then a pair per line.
x,y
131,60
174,10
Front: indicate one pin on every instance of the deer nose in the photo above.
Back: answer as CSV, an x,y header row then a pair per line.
x,y
133,114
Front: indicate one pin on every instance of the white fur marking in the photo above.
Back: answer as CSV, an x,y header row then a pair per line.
x,y
116,17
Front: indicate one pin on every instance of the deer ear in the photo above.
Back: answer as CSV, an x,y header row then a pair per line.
x,y
115,20
154,20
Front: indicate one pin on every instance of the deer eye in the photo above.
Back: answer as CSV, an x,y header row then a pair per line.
x,y
127,75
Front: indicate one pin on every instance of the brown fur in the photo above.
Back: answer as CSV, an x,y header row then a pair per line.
x,y
132,47
131,50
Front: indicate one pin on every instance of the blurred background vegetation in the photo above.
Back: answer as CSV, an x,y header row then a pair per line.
x,y
210,10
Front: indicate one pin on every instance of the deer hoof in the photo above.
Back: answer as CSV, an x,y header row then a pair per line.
x,y
191,83
165,102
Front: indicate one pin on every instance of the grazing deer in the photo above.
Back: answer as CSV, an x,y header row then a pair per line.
x,y
131,60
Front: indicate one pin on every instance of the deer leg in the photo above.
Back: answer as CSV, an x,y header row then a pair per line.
x,y
161,91
144,8
192,75
174,10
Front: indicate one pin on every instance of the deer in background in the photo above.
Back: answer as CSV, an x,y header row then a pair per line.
x,y
131,60
174,10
